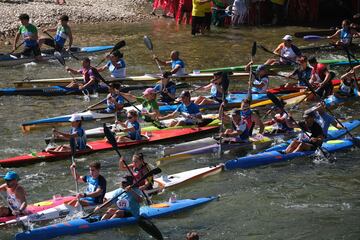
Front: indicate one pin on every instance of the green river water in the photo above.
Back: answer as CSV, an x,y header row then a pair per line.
x,y
303,199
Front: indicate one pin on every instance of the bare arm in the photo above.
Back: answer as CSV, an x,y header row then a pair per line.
x,y
17,36
128,96
70,38
21,196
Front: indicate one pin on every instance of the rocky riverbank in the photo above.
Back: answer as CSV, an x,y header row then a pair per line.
x,y
46,12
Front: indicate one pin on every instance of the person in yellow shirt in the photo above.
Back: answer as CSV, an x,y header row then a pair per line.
x,y
207,16
198,16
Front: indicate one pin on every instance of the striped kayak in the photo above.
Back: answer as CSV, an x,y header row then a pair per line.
x,y
152,78
277,67
79,226
101,145
279,156
7,60
40,206
64,91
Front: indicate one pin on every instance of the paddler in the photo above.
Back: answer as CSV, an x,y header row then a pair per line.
x,y
281,122
96,186
345,34
63,32
260,83
150,107
116,65
131,127
216,91
251,117
321,78
348,86
76,131
302,73
139,168
90,76
30,37
177,65
16,196
127,201
323,118
304,143
114,101
189,111
166,89
288,52
240,131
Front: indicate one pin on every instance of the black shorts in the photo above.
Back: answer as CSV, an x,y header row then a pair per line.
x,y
51,43
196,23
29,51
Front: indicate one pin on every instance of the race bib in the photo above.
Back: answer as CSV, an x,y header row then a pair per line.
x,y
122,203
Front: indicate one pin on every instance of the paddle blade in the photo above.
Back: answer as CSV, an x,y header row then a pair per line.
x,y
119,45
148,43
313,38
110,136
72,146
225,82
253,50
60,58
149,227
264,48
275,100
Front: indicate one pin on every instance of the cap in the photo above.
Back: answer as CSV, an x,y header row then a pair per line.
x,y
128,179
287,38
149,91
11,175
75,118
185,94
166,74
260,67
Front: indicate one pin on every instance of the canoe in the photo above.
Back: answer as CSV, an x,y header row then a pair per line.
x,y
101,145
64,91
210,145
279,67
279,156
41,206
79,226
7,60
147,78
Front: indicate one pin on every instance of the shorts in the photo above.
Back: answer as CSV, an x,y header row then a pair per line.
x,y
216,99
89,200
28,51
207,20
50,42
325,91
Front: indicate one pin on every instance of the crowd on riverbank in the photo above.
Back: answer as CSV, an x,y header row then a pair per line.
x,y
46,12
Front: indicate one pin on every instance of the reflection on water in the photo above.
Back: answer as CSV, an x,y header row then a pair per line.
x,y
284,201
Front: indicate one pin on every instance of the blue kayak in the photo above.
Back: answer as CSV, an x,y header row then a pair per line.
x,y
7,60
232,98
78,226
332,100
279,156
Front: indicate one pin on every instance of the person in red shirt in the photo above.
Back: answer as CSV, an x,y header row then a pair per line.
x,y
321,78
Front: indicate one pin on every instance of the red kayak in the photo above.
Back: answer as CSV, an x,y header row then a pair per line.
x,y
100,145
40,206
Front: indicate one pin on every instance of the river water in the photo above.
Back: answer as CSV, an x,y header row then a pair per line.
x,y
303,199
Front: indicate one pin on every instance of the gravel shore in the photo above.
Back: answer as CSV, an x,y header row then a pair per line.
x,y
46,12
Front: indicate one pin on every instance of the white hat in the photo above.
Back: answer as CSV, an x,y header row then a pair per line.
x,y
287,37
74,118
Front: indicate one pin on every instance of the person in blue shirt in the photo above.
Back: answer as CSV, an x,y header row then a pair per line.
x,y
189,111
131,127
116,65
240,132
63,32
216,91
76,131
114,101
302,73
127,200
323,118
345,34
166,88
96,186
177,65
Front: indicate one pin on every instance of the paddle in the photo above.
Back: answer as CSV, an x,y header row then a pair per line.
x,y
111,138
150,46
267,50
73,152
253,53
314,37
280,105
69,51
16,48
20,223
117,46
225,85
318,32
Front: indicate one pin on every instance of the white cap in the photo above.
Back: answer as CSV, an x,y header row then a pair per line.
x,y
74,118
287,37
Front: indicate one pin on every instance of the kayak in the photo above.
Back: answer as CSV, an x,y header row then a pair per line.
x,y
40,206
7,60
101,145
79,226
64,91
278,67
280,156
152,78
210,145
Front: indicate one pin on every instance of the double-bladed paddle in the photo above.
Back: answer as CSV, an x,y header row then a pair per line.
x,y
117,46
225,82
73,152
150,46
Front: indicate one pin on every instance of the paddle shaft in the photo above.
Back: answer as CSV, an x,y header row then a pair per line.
x,y
288,59
116,47
16,48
